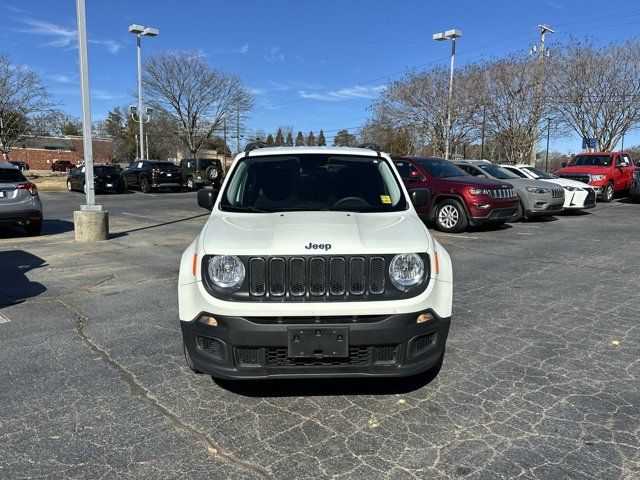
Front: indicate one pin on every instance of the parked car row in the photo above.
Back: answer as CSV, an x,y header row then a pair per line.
x,y
150,175
476,192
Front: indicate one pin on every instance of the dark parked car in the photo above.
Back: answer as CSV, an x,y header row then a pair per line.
x,y
457,199
105,179
151,174
21,165
199,172
62,166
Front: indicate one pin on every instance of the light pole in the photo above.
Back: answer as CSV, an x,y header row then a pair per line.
x,y
139,31
91,223
439,37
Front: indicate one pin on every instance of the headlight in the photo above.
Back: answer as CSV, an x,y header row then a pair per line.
x,y
478,191
572,189
405,270
597,177
636,174
538,190
226,271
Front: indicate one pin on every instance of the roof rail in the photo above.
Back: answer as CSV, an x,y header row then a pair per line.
x,y
370,146
254,146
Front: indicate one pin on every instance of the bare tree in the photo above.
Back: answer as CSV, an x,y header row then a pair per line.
x,y
419,102
22,96
596,90
511,103
394,140
197,96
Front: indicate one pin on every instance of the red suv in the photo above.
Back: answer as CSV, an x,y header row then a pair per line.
x,y
607,172
457,199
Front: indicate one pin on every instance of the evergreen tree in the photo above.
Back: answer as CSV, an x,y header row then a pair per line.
x,y
270,141
311,139
279,138
321,140
300,140
344,139
289,141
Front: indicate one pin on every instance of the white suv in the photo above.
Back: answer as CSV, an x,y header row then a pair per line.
x,y
577,195
314,263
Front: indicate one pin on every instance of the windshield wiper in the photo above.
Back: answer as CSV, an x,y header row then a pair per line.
x,y
231,208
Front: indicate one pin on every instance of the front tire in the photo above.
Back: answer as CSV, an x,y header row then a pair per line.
x,y
69,186
607,193
191,185
450,217
187,359
144,185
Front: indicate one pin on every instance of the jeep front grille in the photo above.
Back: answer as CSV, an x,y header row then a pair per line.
x,y
557,192
317,276
501,193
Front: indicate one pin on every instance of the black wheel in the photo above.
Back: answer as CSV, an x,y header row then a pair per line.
x,y
69,186
125,185
191,185
187,359
520,215
144,185
33,228
212,173
450,216
607,193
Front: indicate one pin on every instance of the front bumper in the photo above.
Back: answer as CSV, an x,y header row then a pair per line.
x,y
257,347
496,215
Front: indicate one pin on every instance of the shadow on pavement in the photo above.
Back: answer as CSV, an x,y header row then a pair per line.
x,y
328,386
124,233
15,287
49,227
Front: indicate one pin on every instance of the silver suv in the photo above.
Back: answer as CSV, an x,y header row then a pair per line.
x,y
537,198
19,200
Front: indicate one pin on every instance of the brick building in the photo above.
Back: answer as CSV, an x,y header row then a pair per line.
x,y
40,152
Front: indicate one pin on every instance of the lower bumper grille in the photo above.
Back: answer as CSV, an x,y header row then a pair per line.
x,y
591,198
274,357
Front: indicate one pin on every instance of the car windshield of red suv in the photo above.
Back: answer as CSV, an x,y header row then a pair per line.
x,y
591,160
497,172
441,168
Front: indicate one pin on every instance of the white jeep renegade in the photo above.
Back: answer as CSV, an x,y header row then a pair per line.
x,y
314,263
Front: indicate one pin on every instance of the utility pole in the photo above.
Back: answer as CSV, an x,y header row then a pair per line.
x,y
546,158
542,51
238,131
224,152
484,116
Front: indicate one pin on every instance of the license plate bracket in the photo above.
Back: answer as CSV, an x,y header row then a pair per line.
x,y
318,342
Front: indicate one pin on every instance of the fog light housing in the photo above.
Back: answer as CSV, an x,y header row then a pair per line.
x,y
424,317
482,206
209,320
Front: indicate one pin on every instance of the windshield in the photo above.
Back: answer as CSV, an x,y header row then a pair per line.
x,y
100,170
313,182
497,172
594,160
441,168
537,173
164,166
11,175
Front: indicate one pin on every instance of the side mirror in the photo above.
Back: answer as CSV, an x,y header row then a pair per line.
x,y
207,197
564,164
420,197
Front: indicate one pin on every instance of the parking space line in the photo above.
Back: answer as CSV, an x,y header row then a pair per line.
x,y
524,233
4,319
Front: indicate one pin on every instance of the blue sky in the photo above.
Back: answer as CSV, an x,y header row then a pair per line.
x,y
311,65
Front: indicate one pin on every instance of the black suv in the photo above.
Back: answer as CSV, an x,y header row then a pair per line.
x,y
106,178
198,172
150,174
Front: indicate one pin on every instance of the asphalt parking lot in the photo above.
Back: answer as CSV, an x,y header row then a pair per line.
x,y
541,378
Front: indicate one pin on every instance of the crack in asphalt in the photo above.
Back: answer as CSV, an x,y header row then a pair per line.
x,y
145,395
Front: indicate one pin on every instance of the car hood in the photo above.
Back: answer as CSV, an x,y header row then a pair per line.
x,y
522,183
565,182
478,181
585,169
292,233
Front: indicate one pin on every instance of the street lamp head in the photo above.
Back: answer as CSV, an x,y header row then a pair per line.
x,y
133,108
452,34
136,29
149,110
150,32
438,37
